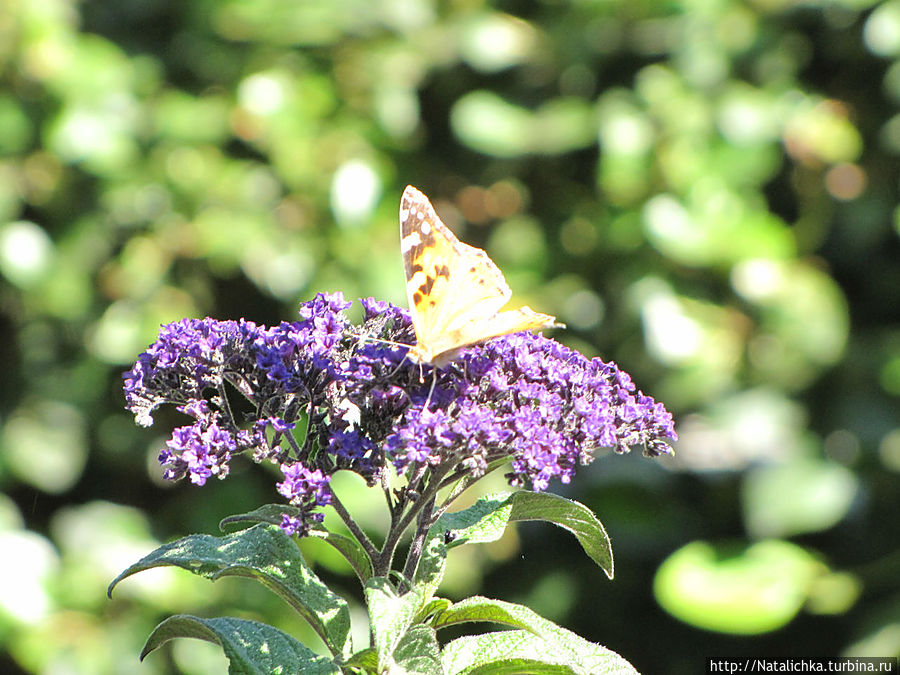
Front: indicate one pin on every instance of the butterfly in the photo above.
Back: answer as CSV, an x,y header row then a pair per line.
x,y
455,290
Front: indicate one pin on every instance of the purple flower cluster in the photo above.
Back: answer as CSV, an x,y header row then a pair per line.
x,y
200,450
531,399
306,489
190,357
278,375
363,406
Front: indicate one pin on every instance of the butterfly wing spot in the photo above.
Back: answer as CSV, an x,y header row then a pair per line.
x,y
425,289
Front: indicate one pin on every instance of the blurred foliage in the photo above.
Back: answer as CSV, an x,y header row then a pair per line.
x,y
704,191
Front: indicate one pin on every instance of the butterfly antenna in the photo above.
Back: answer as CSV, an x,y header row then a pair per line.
x,y
372,338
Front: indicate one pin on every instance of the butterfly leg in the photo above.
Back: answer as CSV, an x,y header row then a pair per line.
x,y
431,389
397,369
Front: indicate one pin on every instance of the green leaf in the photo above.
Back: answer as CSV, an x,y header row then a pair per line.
x,y
351,549
264,553
479,608
486,521
430,570
569,515
390,616
419,652
267,513
251,647
365,659
431,608
519,667
521,652
483,522
542,641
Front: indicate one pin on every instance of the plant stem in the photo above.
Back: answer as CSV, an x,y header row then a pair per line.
x,y
351,524
424,507
425,520
226,406
400,520
461,486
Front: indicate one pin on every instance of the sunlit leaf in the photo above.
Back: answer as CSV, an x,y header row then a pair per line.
x,y
251,647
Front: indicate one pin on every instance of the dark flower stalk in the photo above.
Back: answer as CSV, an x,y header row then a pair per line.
x,y
524,399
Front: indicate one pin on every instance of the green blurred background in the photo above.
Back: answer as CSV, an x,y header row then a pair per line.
x,y
705,191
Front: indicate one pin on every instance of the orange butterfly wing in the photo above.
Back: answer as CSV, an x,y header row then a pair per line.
x,y
455,291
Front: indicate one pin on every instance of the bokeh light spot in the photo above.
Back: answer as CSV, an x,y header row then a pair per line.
x,y
355,190
262,93
846,181
26,252
889,450
882,30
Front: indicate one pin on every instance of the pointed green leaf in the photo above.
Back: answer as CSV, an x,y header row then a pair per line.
x,y
482,522
518,667
430,571
390,616
479,608
569,515
348,547
352,551
565,647
522,652
267,513
264,553
418,652
487,519
433,607
252,648
365,660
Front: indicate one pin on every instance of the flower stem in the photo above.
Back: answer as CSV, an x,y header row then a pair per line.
x,y
351,524
425,520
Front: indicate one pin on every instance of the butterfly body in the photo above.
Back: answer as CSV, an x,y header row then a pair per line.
x,y
455,291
